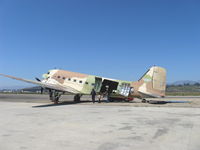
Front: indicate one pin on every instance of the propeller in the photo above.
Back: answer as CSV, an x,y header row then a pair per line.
x,y
38,79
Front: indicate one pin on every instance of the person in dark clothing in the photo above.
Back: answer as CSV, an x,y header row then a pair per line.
x,y
107,94
93,93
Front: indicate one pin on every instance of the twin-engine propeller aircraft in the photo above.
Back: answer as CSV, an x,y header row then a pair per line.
x,y
57,82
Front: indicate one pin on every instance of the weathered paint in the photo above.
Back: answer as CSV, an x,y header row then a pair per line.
x,y
151,84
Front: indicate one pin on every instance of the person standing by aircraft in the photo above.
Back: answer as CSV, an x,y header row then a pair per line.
x,y
100,96
107,94
93,93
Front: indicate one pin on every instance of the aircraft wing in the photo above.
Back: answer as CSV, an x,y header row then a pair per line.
x,y
46,85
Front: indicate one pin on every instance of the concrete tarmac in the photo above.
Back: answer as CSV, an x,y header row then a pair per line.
x,y
86,100
34,124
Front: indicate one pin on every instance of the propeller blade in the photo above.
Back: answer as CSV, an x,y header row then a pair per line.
x,y
38,79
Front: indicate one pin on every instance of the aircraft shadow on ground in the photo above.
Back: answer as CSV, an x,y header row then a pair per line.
x,y
60,104
74,103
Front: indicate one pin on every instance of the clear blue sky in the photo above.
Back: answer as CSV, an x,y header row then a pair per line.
x,y
112,38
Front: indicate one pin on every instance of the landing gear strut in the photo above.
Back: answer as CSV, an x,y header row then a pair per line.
x,y
54,96
77,98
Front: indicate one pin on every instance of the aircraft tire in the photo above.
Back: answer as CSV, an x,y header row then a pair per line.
x,y
144,100
77,98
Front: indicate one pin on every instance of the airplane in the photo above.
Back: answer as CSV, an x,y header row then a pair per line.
x,y
58,82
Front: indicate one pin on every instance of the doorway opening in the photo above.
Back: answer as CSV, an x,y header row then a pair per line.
x,y
98,83
112,85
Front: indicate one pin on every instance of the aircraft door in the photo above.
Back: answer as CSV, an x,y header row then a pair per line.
x,y
112,85
98,83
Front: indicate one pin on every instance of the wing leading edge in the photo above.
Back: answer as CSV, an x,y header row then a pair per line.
x,y
45,85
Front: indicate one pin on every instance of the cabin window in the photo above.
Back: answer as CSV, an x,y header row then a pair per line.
x,y
80,81
86,82
74,80
58,76
69,79
92,84
48,72
63,78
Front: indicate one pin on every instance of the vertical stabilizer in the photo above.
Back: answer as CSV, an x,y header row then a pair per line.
x,y
153,82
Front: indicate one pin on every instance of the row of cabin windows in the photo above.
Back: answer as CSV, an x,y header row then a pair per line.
x,y
69,79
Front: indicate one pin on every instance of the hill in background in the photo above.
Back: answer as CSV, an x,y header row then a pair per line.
x,y
184,82
183,88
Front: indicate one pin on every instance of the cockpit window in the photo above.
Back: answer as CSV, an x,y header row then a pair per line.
x,y
48,72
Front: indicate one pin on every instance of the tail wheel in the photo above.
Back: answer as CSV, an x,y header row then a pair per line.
x,y
144,100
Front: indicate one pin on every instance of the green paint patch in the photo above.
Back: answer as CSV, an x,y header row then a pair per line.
x,y
147,78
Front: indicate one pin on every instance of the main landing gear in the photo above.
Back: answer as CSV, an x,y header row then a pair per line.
x,y
77,98
54,96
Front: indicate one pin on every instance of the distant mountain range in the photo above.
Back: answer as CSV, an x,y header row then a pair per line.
x,y
184,82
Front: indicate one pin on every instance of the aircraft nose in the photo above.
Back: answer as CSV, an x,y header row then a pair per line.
x,y
45,76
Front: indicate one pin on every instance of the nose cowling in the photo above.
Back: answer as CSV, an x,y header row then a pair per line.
x,y
45,76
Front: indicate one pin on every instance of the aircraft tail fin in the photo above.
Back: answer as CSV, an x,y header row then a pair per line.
x,y
153,82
